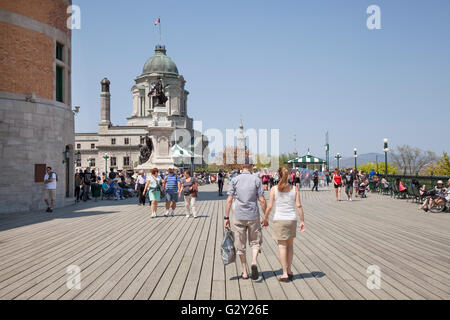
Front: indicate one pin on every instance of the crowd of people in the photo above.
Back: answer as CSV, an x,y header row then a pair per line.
x,y
353,182
154,187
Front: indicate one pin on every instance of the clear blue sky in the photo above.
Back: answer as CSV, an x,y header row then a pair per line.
x,y
304,67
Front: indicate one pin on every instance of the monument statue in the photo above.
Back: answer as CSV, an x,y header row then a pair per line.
x,y
146,150
158,92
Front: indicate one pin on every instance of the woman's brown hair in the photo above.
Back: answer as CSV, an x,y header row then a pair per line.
x,y
283,172
154,171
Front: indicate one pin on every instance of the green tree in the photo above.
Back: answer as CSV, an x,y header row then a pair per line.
x,y
440,167
368,166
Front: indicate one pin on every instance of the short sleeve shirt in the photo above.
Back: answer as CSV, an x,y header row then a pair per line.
x,y
188,184
246,189
50,185
172,183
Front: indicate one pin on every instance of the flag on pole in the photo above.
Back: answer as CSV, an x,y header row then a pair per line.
x,y
157,21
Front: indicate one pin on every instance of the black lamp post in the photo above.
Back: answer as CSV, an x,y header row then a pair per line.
x,y
106,157
338,156
385,150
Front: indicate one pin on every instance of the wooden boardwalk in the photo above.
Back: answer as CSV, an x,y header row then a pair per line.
x,y
124,254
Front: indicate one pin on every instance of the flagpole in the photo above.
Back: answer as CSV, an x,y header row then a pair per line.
x,y
160,34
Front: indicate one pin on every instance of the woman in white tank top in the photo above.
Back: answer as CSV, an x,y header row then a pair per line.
x,y
286,200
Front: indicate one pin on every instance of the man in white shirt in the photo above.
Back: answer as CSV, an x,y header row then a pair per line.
x,y
50,189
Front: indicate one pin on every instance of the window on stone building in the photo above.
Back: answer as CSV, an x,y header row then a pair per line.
x,y
127,141
126,161
113,161
78,162
59,83
92,145
113,140
78,145
92,162
59,51
142,140
39,172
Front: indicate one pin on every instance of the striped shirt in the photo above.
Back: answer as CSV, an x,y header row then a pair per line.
x,y
172,183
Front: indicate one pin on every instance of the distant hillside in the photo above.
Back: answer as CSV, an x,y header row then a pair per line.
x,y
349,162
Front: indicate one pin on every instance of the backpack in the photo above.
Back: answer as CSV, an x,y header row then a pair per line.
x,y
51,174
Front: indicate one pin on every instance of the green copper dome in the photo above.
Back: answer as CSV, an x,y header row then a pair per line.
x,y
160,63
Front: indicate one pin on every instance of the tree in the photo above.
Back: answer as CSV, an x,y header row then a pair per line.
x,y
440,167
285,157
368,166
411,160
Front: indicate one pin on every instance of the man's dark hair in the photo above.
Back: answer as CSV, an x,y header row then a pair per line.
x,y
111,169
49,168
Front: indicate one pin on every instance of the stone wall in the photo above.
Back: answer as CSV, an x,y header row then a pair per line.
x,y
32,133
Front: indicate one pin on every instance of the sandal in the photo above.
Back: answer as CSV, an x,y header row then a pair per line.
x,y
255,274
284,279
242,276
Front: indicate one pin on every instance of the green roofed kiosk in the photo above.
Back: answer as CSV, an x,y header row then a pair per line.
x,y
308,162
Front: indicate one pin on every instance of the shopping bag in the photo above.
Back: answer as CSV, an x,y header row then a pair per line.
x,y
228,249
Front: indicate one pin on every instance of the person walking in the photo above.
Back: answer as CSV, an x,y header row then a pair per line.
x,y
315,178
140,186
337,181
220,181
286,199
153,186
246,190
172,185
86,184
50,179
190,191
348,182
77,182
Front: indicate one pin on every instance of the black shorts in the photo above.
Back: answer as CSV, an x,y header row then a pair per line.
x,y
265,182
337,185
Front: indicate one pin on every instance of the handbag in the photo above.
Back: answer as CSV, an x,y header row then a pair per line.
x,y
228,249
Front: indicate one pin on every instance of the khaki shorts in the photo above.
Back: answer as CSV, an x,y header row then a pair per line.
x,y
50,194
250,229
284,229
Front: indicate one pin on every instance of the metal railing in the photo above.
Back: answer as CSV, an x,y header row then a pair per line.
x,y
428,181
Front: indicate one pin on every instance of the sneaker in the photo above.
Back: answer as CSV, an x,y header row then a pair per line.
x,y
167,213
48,209
195,216
172,212
154,215
350,199
188,215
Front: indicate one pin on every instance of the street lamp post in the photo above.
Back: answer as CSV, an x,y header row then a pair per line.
x,y
355,155
327,156
337,157
386,150
106,157
78,161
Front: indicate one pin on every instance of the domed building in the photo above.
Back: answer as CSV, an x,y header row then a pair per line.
x,y
167,124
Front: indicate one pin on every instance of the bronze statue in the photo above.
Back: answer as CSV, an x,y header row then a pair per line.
x,y
158,92
146,150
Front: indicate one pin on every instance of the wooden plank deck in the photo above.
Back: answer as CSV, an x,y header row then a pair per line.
x,y
124,254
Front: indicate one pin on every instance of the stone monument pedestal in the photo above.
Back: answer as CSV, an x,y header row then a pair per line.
x,y
154,162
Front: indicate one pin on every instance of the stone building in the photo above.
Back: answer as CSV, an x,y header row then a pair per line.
x,y
36,118
118,147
